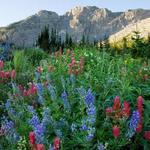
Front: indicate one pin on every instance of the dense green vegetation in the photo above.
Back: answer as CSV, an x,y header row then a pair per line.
x,y
91,97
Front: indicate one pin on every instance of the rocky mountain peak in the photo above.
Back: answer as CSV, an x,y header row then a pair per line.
x,y
46,13
96,23
79,10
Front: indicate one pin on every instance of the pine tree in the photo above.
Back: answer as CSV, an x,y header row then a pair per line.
x,y
43,40
53,38
138,48
70,42
95,42
66,40
59,41
125,45
83,40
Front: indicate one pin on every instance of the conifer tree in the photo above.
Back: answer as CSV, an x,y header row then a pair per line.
x,y
83,40
66,40
70,42
43,40
138,47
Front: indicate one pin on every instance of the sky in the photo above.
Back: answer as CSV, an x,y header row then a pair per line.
x,y
15,10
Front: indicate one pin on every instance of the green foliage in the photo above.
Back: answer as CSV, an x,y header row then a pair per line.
x,y
138,47
22,66
35,56
135,45
105,74
20,62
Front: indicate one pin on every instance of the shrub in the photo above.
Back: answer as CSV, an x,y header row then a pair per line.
x,y
35,56
20,62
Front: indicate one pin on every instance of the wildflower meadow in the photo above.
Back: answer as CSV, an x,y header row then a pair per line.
x,y
83,98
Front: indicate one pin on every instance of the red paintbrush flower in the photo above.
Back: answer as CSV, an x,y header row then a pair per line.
x,y
32,137
109,110
140,104
7,74
25,92
116,131
126,109
140,109
1,64
147,135
40,147
117,104
33,89
56,143
139,128
13,74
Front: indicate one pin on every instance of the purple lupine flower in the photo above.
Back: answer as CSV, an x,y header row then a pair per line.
x,y
39,87
8,104
89,99
91,110
64,95
34,121
101,147
51,147
39,128
46,117
40,99
91,120
65,100
39,133
89,137
10,110
7,126
9,131
84,127
133,123
91,115
134,120
13,112
51,91
40,90
91,132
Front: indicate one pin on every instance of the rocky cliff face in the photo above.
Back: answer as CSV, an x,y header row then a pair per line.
x,y
142,26
96,23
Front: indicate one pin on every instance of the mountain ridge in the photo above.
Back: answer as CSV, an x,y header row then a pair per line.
x,y
96,23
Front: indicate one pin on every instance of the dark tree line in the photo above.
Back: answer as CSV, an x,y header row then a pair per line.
x,y
52,42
